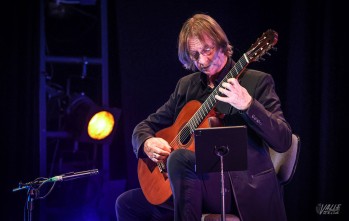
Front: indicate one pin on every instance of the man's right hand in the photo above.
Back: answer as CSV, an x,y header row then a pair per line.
x,y
157,149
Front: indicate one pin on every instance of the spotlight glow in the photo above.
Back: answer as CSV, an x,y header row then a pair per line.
x,y
101,125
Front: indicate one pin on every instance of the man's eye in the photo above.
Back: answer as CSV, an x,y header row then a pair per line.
x,y
207,50
194,55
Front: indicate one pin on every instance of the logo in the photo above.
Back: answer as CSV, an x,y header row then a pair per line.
x,y
328,209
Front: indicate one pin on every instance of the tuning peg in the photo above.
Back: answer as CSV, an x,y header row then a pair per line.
x,y
261,59
274,48
267,53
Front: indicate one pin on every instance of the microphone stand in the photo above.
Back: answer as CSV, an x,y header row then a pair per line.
x,y
32,195
33,187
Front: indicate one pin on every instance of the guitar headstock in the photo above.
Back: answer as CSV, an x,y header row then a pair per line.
x,y
262,45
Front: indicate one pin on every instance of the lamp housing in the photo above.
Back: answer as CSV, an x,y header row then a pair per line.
x,y
88,122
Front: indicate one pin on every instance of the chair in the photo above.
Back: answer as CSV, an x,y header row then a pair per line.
x,y
285,165
217,217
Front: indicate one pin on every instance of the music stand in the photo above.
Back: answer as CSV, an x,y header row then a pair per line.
x,y
229,144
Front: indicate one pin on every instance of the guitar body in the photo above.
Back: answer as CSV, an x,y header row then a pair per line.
x,y
155,184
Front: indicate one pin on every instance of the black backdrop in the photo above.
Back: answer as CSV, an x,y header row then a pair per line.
x,y
308,69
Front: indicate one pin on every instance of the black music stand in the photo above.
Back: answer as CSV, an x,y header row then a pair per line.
x,y
229,144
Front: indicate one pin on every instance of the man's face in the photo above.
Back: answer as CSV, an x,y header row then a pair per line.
x,y
205,55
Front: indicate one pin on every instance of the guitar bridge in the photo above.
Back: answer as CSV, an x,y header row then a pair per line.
x,y
162,167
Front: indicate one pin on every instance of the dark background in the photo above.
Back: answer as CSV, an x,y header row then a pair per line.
x,y
308,69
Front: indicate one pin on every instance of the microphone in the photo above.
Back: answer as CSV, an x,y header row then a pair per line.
x,y
73,175
63,177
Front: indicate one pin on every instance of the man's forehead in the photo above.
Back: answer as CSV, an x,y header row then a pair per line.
x,y
197,43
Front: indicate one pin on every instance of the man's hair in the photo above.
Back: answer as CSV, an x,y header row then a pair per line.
x,y
198,26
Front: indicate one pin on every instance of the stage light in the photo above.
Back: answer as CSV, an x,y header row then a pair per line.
x,y
100,125
88,122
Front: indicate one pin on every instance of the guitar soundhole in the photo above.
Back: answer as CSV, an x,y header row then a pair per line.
x,y
184,136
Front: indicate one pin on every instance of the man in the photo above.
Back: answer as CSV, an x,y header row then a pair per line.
x,y
250,100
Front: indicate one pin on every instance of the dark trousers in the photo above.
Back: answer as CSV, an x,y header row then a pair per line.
x,y
193,194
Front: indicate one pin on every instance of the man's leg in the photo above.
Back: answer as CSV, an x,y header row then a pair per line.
x,y
185,185
133,206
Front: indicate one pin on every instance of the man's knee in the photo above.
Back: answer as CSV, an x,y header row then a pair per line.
x,y
119,203
180,159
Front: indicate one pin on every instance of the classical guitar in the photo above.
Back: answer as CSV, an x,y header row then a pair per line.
x,y
153,176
